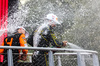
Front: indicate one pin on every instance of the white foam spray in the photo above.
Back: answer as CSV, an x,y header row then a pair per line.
x,y
73,46
2,31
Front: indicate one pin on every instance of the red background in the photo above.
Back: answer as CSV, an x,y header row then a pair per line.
x,y
3,18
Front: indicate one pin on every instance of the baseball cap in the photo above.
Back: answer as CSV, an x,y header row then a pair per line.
x,y
53,17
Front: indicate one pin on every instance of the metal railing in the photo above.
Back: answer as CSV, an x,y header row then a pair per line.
x,y
78,52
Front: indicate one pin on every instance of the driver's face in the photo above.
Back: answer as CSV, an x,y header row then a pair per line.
x,y
21,31
53,25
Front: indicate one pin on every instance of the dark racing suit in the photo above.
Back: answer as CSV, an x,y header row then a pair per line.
x,y
47,39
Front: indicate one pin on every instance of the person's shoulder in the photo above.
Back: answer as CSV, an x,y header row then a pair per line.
x,y
22,35
46,28
18,34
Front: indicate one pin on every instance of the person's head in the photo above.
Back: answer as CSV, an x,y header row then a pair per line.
x,y
52,20
22,30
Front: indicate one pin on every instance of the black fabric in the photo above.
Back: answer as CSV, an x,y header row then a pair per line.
x,y
49,39
14,43
30,40
40,60
45,41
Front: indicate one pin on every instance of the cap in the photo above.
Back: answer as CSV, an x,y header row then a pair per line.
x,y
26,32
53,17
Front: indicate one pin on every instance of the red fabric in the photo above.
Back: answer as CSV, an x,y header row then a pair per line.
x,y
3,18
1,58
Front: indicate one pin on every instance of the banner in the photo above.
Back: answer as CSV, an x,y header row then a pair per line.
x,y
3,19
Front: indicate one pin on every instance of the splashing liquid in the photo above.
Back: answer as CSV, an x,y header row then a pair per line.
x,y
1,32
73,46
